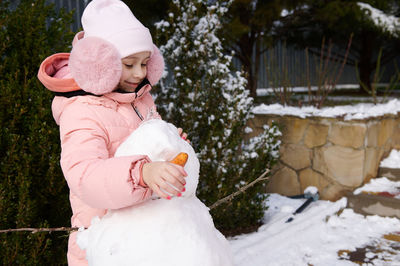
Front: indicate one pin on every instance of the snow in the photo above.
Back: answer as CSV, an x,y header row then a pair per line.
x,y
392,161
176,232
311,190
320,235
348,112
387,22
382,184
314,237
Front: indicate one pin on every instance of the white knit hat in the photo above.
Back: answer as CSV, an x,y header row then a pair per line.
x,y
113,21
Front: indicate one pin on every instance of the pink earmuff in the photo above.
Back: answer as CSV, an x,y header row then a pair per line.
x,y
155,66
95,65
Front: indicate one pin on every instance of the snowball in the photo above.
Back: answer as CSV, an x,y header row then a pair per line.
x,y
174,232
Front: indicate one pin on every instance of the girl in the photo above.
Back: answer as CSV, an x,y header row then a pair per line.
x,y
102,94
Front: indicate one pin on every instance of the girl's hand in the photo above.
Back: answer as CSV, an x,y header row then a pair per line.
x,y
183,135
164,175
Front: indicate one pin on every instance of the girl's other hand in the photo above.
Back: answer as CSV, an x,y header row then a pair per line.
x,y
164,176
183,135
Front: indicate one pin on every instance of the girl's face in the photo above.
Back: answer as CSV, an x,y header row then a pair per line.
x,y
134,70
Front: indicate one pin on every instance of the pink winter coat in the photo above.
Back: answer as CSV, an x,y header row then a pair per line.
x,y
91,129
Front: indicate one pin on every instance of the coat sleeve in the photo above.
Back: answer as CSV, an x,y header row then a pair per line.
x,y
99,180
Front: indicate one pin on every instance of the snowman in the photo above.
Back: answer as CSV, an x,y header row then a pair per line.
x,y
176,232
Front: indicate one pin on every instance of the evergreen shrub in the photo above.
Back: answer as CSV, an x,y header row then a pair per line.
x,y
33,191
209,101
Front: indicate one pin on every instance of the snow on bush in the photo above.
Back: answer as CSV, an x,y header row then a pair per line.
x,y
209,100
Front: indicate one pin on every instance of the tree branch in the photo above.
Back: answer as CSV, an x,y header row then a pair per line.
x,y
240,190
72,229
37,230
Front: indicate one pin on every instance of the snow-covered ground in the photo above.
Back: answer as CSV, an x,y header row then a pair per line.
x,y
381,184
297,89
325,233
269,91
392,161
358,111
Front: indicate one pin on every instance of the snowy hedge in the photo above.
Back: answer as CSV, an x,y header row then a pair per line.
x,y
205,97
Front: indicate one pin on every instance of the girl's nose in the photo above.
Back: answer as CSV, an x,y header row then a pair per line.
x,y
139,73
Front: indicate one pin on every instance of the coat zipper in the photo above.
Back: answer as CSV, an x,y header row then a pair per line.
x,y
137,112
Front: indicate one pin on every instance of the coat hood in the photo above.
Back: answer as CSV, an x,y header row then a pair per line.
x,y
54,74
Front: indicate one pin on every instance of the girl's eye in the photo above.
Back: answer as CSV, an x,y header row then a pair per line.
x,y
128,66
143,65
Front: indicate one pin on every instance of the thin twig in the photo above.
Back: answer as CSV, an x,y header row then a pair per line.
x,y
240,190
37,230
72,229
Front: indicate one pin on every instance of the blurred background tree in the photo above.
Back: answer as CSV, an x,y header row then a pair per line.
x,y
149,11
246,31
33,191
309,21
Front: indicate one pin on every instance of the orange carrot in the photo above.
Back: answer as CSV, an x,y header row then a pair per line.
x,y
180,159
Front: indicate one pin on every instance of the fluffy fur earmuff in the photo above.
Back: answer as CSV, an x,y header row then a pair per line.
x,y
155,66
95,65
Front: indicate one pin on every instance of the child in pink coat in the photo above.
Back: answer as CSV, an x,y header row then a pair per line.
x,y
102,95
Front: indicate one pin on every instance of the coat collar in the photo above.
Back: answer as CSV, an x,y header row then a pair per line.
x,y
128,97
118,95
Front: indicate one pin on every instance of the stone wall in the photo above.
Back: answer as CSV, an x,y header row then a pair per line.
x,y
332,154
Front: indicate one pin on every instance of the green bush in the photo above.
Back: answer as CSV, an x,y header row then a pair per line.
x,y
206,98
33,192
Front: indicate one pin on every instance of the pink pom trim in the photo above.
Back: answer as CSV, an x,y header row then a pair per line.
x,y
155,66
95,65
